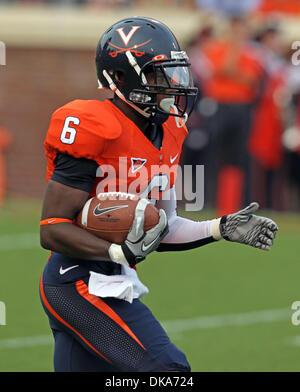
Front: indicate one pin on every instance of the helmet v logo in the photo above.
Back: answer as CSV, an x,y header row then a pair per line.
x,y
127,38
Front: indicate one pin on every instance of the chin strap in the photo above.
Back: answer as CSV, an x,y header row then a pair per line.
x,y
114,88
179,123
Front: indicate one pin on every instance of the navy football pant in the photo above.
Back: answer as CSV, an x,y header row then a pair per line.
x,y
106,334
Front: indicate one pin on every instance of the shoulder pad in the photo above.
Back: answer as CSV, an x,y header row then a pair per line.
x,y
81,128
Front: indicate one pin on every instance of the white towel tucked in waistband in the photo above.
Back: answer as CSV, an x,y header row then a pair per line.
x,y
126,286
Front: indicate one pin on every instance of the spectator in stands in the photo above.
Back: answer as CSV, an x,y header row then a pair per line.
x,y
265,140
197,139
5,142
280,6
194,148
236,76
291,135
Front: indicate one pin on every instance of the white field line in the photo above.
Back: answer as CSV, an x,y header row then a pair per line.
x,y
235,319
293,340
19,241
174,326
30,341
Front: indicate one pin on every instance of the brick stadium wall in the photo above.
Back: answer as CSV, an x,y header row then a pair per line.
x,y
32,85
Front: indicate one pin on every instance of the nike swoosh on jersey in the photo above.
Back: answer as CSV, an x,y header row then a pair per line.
x,y
99,211
63,271
173,159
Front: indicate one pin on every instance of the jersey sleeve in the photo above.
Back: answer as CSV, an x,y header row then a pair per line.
x,y
184,234
77,173
81,130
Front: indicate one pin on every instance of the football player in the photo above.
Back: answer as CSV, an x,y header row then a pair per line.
x,y
97,326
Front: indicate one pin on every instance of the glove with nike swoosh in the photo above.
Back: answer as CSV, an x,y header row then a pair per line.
x,y
140,243
249,229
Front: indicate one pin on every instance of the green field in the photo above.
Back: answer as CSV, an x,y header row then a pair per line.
x,y
232,303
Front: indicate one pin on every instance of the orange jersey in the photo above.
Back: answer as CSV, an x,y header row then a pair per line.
x,y
127,159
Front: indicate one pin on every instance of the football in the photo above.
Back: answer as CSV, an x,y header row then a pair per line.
x,y
110,215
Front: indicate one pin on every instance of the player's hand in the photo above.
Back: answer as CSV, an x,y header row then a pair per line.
x,y
139,243
246,228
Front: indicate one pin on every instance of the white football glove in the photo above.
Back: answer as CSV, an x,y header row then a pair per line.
x,y
246,228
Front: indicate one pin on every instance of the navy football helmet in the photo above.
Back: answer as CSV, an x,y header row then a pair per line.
x,y
139,58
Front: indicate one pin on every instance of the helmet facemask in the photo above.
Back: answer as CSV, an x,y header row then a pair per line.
x,y
170,78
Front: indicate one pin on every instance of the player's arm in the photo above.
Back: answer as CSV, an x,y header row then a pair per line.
x,y
66,194
242,227
63,201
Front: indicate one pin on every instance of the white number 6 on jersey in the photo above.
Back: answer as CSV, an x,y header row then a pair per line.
x,y
68,133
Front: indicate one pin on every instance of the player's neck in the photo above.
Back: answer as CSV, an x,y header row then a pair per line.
x,y
141,122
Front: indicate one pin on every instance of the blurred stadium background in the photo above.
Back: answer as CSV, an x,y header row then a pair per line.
x,y
227,307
